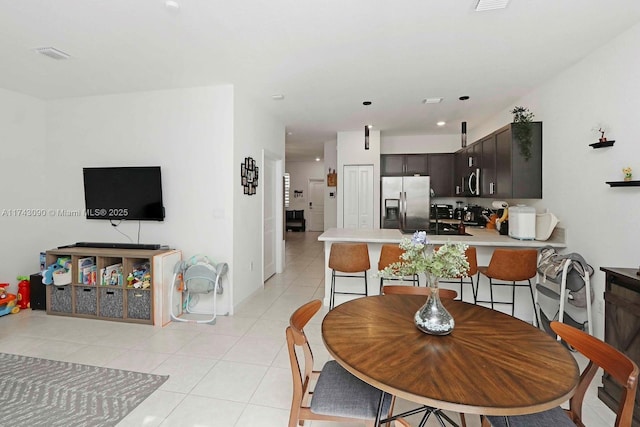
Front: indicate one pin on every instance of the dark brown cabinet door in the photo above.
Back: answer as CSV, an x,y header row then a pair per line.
x,y
416,164
392,164
488,178
504,171
441,171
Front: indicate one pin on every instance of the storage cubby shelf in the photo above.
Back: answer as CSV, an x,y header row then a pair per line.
x,y
624,183
602,144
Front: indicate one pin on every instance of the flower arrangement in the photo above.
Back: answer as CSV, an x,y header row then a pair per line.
x,y
419,257
628,173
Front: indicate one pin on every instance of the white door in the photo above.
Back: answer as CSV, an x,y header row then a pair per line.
x,y
358,196
269,208
316,205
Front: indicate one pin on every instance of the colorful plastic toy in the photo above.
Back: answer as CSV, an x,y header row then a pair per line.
x,y
24,292
7,301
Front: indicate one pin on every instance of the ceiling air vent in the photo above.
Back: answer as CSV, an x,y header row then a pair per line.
x,y
52,52
491,5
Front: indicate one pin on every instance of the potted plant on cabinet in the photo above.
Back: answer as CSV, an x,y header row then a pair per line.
x,y
523,129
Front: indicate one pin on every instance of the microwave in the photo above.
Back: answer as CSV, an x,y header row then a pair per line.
x,y
471,183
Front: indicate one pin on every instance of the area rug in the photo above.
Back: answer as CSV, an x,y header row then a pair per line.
x,y
41,392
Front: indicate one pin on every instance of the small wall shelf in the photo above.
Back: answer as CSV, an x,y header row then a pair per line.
x,y
602,144
624,183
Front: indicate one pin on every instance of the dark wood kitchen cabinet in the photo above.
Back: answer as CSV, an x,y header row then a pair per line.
x,y
441,166
505,171
404,164
621,328
467,161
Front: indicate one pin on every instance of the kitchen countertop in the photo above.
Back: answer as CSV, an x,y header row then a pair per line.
x,y
478,237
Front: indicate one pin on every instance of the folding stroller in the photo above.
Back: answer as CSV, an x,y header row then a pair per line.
x,y
193,278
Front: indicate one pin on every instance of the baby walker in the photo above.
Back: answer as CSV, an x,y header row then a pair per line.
x,y
194,277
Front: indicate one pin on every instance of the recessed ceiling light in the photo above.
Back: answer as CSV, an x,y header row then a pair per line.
x,y
289,133
317,159
366,103
172,5
463,98
277,97
491,5
441,123
52,52
432,100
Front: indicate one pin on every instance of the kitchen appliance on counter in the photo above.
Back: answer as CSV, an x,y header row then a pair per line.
x,y
405,202
475,215
522,222
458,212
441,212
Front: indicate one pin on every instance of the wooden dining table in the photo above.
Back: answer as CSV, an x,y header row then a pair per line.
x,y
491,363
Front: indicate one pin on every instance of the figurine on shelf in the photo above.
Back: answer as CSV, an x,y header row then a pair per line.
x,y
602,138
627,173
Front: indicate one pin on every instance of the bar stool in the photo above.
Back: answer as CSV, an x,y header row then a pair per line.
x,y
390,254
511,265
472,259
348,258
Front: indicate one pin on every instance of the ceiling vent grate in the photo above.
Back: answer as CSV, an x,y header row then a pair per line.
x,y
52,52
491,5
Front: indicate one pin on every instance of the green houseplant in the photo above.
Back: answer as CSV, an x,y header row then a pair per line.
x,y
523,129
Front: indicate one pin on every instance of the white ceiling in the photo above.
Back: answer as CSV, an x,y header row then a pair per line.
x,y
324,56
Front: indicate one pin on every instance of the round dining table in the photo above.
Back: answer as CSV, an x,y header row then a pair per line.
x,y
491,363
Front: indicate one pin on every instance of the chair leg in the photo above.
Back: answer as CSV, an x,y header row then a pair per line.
x,y
461,286
333,289
491,291
381,286
513,299
463,420
366,287
533,300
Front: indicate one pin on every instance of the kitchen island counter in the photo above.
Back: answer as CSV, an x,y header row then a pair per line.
x,y
485,241
478,237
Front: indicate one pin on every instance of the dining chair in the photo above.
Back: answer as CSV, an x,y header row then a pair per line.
x,y
337,395
601,355
413,290
472,259
390,254
349,258
511,265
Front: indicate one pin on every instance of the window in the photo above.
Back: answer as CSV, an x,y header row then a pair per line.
x,y
287,186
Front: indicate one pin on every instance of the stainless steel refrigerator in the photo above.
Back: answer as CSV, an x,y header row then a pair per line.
x,y
405,202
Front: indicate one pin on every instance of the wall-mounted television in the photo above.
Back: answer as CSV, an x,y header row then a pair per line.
x,y
123,193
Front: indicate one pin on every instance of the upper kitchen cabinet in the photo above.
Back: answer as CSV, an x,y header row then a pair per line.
x,y
467,168
404,164
441,166
505,171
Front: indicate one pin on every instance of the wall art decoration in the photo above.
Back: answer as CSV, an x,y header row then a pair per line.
x,y
249,176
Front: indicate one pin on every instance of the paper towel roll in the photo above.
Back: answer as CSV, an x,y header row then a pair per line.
x,y
500,204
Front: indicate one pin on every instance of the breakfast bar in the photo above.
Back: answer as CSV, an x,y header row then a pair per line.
x,y
485,241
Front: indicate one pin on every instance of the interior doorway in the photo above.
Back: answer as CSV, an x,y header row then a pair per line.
x,y
272,216
316,205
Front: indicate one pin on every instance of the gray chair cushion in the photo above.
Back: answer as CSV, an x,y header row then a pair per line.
x,y
338,392
555,417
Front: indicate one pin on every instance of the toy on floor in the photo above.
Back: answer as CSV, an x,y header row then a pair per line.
x,y
7,301
24,292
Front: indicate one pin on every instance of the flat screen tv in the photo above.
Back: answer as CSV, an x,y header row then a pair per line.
x,y
123,193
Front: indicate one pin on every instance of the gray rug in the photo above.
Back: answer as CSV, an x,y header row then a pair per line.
x,y
41,392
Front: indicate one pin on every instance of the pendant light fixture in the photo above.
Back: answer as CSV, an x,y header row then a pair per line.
x,y
463,129
366,128
366,137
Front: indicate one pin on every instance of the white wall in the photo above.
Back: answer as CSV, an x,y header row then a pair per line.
x,y
189,133
253,132
408,144
331,193
22,185
601,222
350,151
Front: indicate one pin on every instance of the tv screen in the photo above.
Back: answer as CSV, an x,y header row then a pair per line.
x,y
123,193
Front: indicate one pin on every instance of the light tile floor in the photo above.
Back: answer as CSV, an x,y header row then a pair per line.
x,y
232,374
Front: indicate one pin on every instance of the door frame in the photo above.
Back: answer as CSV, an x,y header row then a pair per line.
x,y
320,181
278,192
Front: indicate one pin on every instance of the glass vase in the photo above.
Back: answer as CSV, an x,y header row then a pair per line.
x,y
433,318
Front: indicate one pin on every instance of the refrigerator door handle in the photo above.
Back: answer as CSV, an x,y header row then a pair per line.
x,y
401,213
